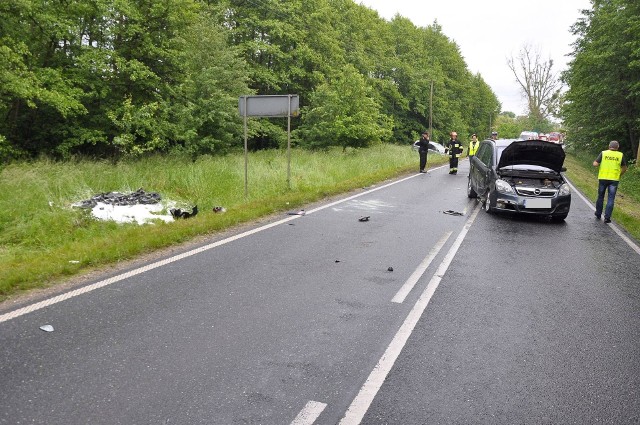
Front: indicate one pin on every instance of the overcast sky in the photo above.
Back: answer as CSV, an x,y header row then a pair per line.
x,y
488,32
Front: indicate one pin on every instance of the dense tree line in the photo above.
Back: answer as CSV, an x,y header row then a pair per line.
x,y
603,100
116,78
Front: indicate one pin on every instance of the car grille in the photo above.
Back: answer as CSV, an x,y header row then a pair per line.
x,y
542,192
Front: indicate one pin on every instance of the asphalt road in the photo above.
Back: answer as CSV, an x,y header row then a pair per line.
x,y
414,316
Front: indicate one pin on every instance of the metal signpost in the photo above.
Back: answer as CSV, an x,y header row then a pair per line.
x,y
287,105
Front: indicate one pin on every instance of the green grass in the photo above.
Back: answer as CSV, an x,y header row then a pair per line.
x,y
43,240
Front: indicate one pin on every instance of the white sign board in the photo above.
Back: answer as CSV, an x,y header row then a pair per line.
x,y
269,106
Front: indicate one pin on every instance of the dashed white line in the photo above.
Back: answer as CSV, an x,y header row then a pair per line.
x,y
361,403
309,413
415,276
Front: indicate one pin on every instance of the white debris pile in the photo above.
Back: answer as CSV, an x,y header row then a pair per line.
x,y
140,207
139,213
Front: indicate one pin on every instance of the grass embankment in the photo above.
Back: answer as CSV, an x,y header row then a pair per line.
x,y
43,240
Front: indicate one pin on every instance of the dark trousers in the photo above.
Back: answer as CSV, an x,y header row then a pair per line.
x,y
611,187
453,164
423,160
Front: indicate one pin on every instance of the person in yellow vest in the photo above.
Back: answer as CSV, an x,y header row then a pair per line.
x,y
612,166
473,145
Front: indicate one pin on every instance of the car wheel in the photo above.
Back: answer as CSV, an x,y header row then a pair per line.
x,y
486,203
470,192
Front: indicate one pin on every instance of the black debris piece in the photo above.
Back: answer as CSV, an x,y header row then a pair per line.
x,y
365,218
390,269
301,212
451,212
179,213
121,199
337,261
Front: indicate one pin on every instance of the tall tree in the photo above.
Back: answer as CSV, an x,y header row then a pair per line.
x,y
539,84
343,112
603,99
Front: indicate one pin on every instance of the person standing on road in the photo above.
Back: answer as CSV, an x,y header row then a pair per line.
x,y
454,148
612,166
473,145
423,150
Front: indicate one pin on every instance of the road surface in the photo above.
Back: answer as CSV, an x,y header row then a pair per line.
x,y
430,311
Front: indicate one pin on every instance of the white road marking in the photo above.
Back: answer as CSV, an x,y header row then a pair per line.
x,y
361,403
309,414
62,297
615,228
415,276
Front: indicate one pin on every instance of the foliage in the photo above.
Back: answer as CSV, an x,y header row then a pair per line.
x,y
113,79
342,112
603,100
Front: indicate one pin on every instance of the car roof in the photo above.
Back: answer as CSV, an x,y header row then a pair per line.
x,y
501,142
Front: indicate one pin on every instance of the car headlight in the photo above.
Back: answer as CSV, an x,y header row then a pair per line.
x,y
564,190
503,186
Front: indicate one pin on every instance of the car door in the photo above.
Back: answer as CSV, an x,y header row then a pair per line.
x,y
482,168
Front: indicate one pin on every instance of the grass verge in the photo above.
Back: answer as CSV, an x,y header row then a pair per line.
x,y
44,240
626,212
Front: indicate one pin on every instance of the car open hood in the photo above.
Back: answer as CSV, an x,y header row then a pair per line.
x,y
533,152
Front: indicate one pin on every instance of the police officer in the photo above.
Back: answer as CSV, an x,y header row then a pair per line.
x,y
612,166
454,148
494,135
473,145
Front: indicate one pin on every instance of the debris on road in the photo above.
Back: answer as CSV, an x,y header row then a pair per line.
x,y
47,328
301,212
365,218
390,269
451,212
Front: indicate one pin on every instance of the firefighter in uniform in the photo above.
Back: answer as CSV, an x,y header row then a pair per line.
x,y
473,145
454,148
612,166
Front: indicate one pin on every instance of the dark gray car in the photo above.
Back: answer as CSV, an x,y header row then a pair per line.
x,y
520,176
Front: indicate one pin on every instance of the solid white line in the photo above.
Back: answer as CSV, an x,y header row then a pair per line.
x,y
615,228
363,400
309,414
62,297
415,276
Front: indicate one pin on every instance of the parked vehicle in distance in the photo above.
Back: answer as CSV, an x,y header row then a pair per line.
x,y
521,177
528,135
433,147
556,137
542,136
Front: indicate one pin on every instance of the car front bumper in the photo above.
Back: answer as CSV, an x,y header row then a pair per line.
x,y
559,205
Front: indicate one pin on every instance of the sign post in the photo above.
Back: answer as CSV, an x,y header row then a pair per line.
x,y
268,106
